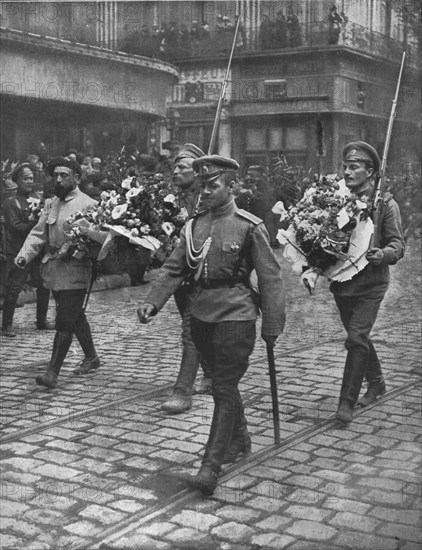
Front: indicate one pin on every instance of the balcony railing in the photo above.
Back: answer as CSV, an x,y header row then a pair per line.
x,y
175,45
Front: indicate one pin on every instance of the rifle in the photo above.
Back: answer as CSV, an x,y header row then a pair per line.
x,y
378,205
223,91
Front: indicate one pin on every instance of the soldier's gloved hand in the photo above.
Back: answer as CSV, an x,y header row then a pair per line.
x,y
83,225
270,340
145,312
20,262
375,256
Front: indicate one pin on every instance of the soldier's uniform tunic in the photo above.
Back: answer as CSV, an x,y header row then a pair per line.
x,y
224,307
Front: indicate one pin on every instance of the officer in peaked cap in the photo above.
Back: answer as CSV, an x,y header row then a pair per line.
x,y
360,151
188,195
359,298
210,167
219,248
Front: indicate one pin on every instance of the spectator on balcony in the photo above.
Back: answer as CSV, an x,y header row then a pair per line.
x,y
293,27
279,31
266,32
335,22
155,40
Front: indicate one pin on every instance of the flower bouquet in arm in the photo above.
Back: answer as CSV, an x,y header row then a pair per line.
x,y
141,213
328,232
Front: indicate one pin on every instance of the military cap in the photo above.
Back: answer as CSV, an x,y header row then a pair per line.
x,y
63,161
189,150
209,167
17,170
361,151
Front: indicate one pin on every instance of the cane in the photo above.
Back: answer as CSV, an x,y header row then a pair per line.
x,y
274,396
91,284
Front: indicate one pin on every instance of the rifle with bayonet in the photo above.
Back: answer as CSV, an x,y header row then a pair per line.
x,y
223,91
378,204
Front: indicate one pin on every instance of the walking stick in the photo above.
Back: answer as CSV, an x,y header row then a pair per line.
x,y
274,396
94,274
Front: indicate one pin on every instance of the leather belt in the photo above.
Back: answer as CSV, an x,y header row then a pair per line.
x,y
223,283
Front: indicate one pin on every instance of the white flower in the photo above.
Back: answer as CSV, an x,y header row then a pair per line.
x,y
145,229
133,192
168,228
118,211
134,233
127,183
170,198
104,196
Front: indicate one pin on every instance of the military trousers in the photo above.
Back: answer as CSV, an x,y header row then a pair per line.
x,y
16,279
358,315
191,358
226,347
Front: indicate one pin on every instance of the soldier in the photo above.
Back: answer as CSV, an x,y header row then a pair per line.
x,y
358,299
221,245
68,278
189,198
19,221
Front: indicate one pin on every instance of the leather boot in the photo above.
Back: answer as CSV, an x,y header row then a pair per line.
x,y
373,391
204,386
9,306
43,297
62,342
345,411
206,480
354,372
91,360
178,403
241,442
220,436
374,378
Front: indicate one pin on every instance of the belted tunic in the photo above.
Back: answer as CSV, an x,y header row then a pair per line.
x,y
239,244
50,234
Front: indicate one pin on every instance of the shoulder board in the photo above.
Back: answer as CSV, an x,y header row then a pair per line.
x,y
248,216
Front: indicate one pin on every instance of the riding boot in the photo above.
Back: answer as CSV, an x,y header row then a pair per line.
x,y
220,436
9,306
354,372
241,443
61,345
204,386
43,297
91,360
181,398
374,379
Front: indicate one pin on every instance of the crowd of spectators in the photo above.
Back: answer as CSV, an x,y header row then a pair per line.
x,y
170,40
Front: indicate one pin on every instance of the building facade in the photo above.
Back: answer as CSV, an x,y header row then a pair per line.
x,y
304,79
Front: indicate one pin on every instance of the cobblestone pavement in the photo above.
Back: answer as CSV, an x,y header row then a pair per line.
x,y
95,464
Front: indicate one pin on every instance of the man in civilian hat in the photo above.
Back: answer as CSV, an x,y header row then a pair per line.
x,y
220,247
358,299
19,221
67,277
189,196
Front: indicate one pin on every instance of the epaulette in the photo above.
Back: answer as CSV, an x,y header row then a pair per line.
x,y
248,216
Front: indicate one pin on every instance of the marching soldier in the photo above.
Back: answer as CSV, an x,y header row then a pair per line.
x,y
68,278
189,197
358,299
220,247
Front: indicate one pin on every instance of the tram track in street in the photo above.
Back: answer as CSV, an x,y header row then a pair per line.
x,y
112,535
151,393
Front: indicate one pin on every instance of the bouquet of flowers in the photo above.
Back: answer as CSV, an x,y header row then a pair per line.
x,y
143,211
35,206
322,227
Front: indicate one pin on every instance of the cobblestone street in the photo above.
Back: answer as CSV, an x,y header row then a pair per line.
x,y
95,464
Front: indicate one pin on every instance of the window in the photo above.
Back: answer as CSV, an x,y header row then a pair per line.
x,y
295,138
256,139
